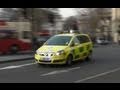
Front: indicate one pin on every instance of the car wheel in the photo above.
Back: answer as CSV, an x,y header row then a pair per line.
x,y
90,57
69,60
14,49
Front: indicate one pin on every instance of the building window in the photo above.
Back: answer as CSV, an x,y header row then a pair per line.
x,y
8,34
26,35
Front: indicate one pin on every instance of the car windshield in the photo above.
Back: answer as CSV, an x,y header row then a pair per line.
x,y
59,40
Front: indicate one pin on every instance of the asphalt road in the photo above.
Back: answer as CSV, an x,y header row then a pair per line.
x,y
104,69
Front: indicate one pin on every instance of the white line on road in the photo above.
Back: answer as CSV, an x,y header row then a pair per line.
x,y
59,71
73,68
98,75
17,66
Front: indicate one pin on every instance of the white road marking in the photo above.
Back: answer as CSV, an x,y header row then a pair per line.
x,y
73,68
16,66
98,75
59,71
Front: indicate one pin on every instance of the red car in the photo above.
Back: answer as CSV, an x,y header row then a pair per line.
x,y
10,44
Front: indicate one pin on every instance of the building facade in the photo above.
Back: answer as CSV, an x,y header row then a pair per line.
x,y
116,24
104,24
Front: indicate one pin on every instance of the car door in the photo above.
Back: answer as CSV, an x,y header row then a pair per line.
x,y
82,47
85,45
75,48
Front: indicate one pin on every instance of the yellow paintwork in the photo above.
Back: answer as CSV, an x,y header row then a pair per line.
x,y
61,59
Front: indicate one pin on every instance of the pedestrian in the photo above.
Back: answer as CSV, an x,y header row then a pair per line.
x,y
34,43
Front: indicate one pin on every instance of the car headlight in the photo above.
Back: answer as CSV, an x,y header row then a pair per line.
x,y
38,52
60,52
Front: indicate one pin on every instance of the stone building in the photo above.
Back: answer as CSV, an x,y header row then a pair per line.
x,y
116,24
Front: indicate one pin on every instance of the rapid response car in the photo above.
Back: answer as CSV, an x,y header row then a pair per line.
x,y
64,49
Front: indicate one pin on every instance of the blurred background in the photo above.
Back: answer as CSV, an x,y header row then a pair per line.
x,y
26,29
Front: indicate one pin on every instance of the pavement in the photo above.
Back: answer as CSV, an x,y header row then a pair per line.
x,y
16,57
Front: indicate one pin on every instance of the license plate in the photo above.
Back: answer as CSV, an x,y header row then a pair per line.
x,y
46,59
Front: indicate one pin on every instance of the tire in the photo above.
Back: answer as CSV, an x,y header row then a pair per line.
x,y
90,57
69,60
14,49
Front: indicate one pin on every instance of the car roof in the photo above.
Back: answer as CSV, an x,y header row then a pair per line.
x,y
73,34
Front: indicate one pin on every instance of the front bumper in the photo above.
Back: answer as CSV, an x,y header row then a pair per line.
x,y
54,60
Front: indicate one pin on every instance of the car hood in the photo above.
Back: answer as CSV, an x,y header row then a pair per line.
x,y
50,48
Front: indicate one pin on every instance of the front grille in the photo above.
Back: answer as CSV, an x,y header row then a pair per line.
x,y
44,61
46,54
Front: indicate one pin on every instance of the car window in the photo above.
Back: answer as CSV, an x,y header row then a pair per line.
x,y
83,39
76,41
59,40
26,34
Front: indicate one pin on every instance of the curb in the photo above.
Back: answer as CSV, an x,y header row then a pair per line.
x,y
17,54
16,60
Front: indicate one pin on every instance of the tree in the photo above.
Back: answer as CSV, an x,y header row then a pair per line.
x,y
70,23
90,14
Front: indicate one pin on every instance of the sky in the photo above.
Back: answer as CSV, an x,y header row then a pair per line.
x,y
67,12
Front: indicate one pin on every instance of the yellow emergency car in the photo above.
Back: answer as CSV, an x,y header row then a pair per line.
x,y
64,49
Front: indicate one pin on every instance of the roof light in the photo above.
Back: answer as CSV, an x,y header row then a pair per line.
x,y
71,31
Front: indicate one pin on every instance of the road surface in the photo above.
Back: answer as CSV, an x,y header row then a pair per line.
x,y
104,69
